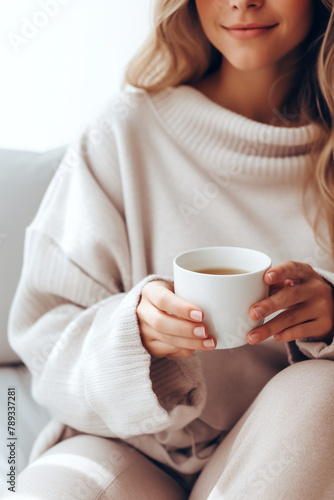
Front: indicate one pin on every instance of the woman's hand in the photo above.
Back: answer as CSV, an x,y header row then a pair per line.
x,y
308,302
171,326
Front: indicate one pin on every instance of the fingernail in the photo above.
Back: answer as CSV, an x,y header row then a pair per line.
x,y
272,277
209,343
255,338
196,315
259,312
199,331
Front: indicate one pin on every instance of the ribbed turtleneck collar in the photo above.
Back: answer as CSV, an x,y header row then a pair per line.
x,y
214,135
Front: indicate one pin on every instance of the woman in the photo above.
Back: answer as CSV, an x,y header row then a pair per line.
x,y
224,138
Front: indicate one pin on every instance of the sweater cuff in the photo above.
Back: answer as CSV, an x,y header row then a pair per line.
x,y
308,348
151,394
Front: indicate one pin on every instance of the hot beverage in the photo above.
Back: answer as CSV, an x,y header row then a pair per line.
x,y
222,271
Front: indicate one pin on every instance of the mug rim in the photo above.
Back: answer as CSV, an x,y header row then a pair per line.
x,y
202,249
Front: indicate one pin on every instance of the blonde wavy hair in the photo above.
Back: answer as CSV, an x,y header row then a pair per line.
x,y
178,52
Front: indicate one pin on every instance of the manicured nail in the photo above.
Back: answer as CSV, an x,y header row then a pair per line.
x,y
259,312
209,344
255,338
272,277
196,315
199,331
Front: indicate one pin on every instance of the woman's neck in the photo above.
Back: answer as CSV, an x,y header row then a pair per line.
x,y
250,94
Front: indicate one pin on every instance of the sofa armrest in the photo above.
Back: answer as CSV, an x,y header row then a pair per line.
x,y
24,177
30,418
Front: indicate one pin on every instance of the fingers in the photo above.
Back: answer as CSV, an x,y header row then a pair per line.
x,y
169,315
312,318
166,324
169,325
302,330
177,340
276,287
294,283
283,299
306,300
160,294
283,322
289,270
160,350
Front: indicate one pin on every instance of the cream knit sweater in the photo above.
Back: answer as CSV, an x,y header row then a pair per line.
x,y
154,176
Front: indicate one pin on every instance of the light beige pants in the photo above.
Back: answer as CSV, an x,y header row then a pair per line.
x,y
281,449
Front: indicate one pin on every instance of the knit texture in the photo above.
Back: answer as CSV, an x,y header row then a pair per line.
x,y
155,175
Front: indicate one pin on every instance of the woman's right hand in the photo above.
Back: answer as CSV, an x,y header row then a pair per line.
x,y
169,325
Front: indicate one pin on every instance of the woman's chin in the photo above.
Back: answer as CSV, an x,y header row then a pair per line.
x,y
251,61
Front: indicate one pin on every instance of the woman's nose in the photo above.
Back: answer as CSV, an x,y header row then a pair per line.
x,y
245,4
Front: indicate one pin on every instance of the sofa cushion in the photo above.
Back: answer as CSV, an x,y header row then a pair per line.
x,y
30,419
24,177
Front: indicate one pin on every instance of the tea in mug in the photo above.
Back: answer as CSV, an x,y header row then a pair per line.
x,y
221,271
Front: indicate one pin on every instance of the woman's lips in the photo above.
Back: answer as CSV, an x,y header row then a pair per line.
x,y
245,33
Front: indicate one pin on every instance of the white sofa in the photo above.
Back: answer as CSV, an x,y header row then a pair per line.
x,y
24,177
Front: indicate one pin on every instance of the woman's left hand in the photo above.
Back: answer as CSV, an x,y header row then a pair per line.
x,y
307,301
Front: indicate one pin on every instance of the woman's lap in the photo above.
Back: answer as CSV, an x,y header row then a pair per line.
x,y
88,467
281,448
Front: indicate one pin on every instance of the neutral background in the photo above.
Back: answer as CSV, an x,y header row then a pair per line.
x,y
61,61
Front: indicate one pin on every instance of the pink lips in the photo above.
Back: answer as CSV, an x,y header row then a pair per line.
x,y
247,31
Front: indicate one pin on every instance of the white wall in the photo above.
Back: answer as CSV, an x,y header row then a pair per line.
x,y
61,61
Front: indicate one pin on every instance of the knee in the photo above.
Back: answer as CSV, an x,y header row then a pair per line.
x,y
305,390
78,467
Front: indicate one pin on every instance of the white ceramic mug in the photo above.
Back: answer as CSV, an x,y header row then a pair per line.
x,y
224,299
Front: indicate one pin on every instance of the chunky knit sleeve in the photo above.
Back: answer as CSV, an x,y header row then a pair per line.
x,y
73,319
303,349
